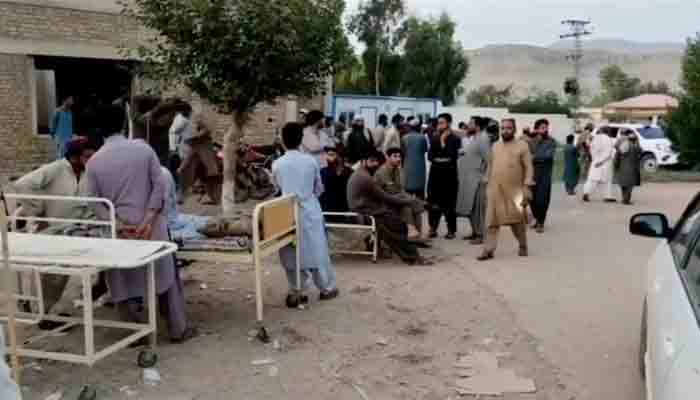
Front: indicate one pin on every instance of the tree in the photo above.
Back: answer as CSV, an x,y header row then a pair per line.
x,y
237,54
684,122
617,85
490,96
660,87
434,63
541,103
375,24
351,78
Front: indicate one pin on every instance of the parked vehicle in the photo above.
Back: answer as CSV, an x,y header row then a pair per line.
x,y
669,351
656,147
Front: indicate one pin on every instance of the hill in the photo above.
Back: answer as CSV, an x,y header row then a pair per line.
x,y
530,67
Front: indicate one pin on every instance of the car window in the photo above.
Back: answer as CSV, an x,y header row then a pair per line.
x,y
613,131
685,232
691,277
652,132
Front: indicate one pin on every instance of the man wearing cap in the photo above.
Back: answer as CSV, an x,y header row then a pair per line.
x,y
366,197
64,177
360,142
415,147
315,138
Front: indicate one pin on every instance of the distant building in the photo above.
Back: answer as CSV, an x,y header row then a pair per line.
x,y
371,107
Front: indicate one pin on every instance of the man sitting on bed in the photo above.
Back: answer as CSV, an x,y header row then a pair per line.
x,y
299,174
64,177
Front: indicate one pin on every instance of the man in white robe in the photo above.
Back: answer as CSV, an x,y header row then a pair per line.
x,y
601,170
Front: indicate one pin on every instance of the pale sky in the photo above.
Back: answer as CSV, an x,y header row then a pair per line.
x,y
538,22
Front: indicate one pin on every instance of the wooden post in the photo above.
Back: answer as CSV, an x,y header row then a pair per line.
x,y
8,289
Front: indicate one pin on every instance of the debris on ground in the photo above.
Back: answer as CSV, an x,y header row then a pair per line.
x,y
151,376
399,308
361,289
273,371
382,341
411,358
55,396
262,362
127,391
416,328
480,374
203,286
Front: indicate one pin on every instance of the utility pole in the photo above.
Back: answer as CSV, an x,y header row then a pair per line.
x,y
572,86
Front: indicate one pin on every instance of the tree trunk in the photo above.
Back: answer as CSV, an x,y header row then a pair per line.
x,y
231,143
377,69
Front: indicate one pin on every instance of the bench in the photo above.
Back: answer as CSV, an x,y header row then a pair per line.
x,y
361,225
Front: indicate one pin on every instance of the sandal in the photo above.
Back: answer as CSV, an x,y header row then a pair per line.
x,y
485,257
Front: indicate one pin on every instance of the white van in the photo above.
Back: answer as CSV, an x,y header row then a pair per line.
x,y
656,147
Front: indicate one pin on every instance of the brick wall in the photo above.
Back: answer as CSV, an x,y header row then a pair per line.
x,y
20,148
27,22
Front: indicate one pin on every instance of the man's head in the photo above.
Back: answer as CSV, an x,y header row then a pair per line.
x,y
508,129
570,139
315,119
68,102
292,134
394,156
331,155
462,126
443,122
328,122
383,120
542,127
397,120
78,153
373,161
589,128
358,123
112,119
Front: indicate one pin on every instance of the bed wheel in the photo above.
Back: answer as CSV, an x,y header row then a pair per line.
x,y
147,359
262,335
87,393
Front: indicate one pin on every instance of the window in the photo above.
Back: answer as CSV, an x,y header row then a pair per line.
x,y
686,231
652,132
691,277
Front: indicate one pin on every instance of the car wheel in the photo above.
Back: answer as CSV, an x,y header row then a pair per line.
x,y
649,163
643,343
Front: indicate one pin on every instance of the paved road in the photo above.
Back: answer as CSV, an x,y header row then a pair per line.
x,y
580,293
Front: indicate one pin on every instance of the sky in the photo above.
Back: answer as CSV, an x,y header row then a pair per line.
x,y
538,22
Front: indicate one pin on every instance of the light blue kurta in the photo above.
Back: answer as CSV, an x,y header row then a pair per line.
x,y
61,130
299,174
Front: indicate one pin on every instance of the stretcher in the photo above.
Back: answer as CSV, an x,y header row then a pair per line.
x,y
85,258
274,227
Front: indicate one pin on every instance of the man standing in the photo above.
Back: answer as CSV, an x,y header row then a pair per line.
x,y
61,127
571,166
584,148
443,183
509,190
359,143
63,177
315,138
392,139
389,179
299,174
601,171
379,133
365,197
628,164
198,150
128,174
543,161
472,164
415,147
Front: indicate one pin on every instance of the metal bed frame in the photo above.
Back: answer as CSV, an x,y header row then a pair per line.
x,y
275,225
371,228
77,262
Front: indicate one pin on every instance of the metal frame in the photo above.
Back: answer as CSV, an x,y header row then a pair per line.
x,y
259,250
372,228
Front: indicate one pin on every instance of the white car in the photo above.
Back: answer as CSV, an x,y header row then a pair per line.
x,y
669,355
656,147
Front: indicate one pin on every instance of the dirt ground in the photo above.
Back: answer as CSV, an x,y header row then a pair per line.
x,y
568,317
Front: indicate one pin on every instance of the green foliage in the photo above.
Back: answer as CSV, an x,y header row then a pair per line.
x,y
659,87
542,103
239,53
435,64
390,71
352,78
617,85
490,96
684,129
690,80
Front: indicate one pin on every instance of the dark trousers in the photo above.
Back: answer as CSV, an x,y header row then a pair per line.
x,y
627,193
420,194
542,196
436,213
392,231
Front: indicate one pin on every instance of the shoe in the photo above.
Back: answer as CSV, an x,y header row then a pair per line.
x,y
450,236
586,199
329,295
190,333
432,235
485,257
294,300
610,200
539,228
421,262
627,203
477,241
470,237
523,252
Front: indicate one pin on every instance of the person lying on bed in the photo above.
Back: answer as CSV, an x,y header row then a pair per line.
x,y
64,177
182,226
299,174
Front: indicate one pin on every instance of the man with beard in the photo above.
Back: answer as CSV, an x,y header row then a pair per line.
x,y
315,138
335,178
415,146
475,154
509,190
360,143
443,183
543,161
366,197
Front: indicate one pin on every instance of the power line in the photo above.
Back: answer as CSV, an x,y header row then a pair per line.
x,y
577,30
